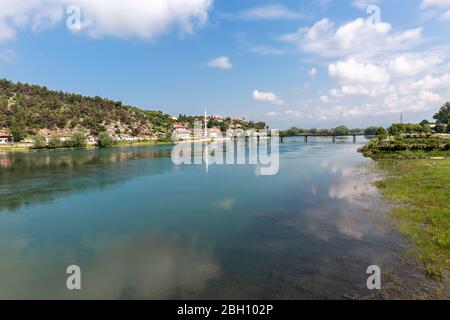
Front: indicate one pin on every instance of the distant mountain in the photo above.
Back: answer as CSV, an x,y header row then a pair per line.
x,y
30,109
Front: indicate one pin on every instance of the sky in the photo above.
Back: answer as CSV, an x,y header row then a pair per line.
x,y
317,63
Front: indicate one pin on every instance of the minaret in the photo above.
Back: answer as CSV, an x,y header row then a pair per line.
x,y
401,118
205,133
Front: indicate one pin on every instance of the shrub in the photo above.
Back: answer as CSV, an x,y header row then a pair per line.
x,y
78,140
54,143
104,140
39,142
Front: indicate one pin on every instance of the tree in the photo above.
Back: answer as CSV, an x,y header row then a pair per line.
x,y
39,142
104,140
341,131
425,123
19,132
370,131
77,140
381,133
395,129
54,143
440,128
443,116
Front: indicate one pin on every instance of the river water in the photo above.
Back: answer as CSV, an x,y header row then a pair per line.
x,y
141,227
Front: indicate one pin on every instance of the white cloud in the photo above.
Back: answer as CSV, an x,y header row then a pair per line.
x,y
355,38
221,63
413,63
33,14
351,71
313,72
267,97
267,51
446,15
269,12
273,114
145,19
435,3
324,99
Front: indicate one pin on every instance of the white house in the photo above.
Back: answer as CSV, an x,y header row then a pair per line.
x,y
181,134
5,138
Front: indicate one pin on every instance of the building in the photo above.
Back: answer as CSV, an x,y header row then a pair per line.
x,y
6,138
214,133
180,126
181,134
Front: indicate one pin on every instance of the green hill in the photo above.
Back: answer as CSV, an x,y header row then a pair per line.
x,y
26,110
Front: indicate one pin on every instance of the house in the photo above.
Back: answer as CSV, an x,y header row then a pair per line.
x,y
6,138
235,125
125,137
173,118
180,126
214,132
181,134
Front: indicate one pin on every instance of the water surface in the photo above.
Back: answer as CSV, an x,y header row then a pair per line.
x,y
141,227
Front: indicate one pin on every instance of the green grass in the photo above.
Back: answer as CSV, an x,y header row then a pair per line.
x,y
421,188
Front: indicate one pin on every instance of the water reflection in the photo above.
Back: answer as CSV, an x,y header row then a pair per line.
x,y
154,266
28,178
140,227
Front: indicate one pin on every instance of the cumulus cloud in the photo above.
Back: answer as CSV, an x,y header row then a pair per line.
x,y
413,63
221,63
267,97
145,19
355,38
351,71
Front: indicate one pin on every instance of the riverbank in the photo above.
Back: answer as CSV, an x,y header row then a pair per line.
x,y
418,184
89,146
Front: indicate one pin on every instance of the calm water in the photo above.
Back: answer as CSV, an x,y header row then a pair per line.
x,y
140,227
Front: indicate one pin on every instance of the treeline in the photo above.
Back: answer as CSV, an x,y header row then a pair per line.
x,y
25,109
77,140
412,140
339,131
442,125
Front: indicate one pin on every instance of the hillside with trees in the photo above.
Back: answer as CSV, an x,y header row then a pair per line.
x,y
26,109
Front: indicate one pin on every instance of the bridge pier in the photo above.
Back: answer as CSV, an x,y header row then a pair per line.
x,y
354,138
334,139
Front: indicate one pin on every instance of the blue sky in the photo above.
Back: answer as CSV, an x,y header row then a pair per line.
x,y
317,63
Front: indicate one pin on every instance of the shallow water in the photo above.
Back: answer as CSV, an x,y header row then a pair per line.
x,y
141,227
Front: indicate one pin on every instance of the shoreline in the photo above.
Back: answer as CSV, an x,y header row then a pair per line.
x,y
88,147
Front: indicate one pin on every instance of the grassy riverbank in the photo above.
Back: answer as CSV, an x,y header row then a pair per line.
x,y
418,184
